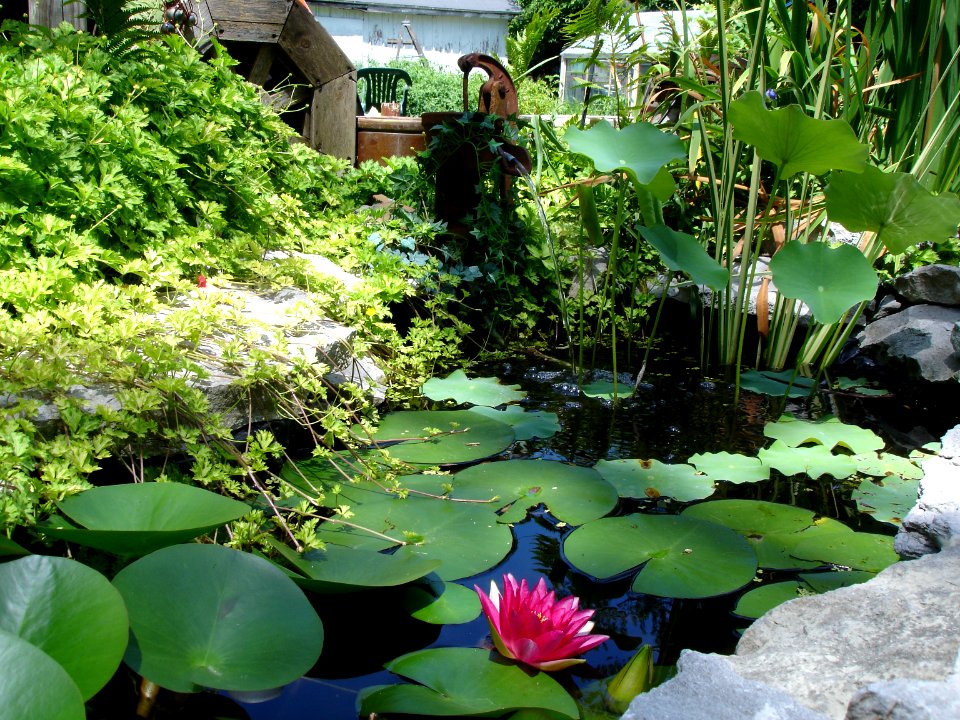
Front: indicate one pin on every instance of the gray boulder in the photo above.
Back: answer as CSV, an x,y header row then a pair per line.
x,y
917,340
907,700
939,284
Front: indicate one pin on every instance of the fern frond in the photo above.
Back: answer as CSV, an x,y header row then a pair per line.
x,y
126,23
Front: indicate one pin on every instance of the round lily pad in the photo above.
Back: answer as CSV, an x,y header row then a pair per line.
x,y
855,550
813,461
681,557
652,479
776,384
442,603
476,391
34,685
526,424
885,465
828,432
832,579
729,467
887,500
606,390
758,601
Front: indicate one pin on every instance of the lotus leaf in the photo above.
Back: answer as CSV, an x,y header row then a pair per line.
x,y
829,432
758,601
892,204
773,529
681,557
526,424
813,461
830,280
442,603
855,550
824,581
682,252
138,518
729,467
442,437
885,464
607,390
640,149
793,141
887,500
8,548
464,681
205,616
69,611
651,479
777,384
475,391
34,685
859,386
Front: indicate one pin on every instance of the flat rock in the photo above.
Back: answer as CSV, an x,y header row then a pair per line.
x,y
907,700
916,339
939,284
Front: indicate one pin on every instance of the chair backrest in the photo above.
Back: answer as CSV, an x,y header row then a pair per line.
x,y
384,85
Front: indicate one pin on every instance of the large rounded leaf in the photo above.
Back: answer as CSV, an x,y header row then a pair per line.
x,y
442,437
773,529
205,616
729,467
526,424
828,432
830,280
855,550
813,461
571,493
776,384
682,557
34,685
683,252
476,391
887,500
640,149
137,518
442,603
464,681
651,479
758,601
70,612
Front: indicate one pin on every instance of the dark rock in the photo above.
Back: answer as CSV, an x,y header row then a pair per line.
x,y
916,339
938,284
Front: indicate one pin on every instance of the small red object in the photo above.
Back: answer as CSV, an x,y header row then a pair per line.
x,y
201,280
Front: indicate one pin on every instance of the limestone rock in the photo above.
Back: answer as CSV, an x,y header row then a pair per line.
x,y
938,284
917,339
934,522
906,700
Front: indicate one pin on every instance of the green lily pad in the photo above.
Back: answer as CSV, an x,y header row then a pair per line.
x,y
886,464
825,581
571,493
640,149
776,384
138,518
829,432
813,461
795,142
464,681
651,479
859,386
682,252
441,603
681,557
465,537
830,280
892,204
69,611
773,529
476,391
338,569
606,390
855,550
758,601
34,685
887,500
526,424
442,437
205,616
729,467
314,476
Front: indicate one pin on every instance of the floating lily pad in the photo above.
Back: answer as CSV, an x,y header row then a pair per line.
x,y
476,391
766,597
733,468
69,611
464,681
813,461
526,424
681,557
571,493
825,581
828,432
205,616
651,479
606,390
441,603
887,500
315,475
776,384
34,685
855,550
859,386
773,529
465,537
442,437
885,465
683,252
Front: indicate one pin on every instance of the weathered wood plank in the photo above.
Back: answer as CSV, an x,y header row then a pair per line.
x,y
312,49
248,32
265,12
51,13
261,65
390,124
334,128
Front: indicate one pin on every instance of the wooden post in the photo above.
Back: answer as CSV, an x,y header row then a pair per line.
x,y
51,13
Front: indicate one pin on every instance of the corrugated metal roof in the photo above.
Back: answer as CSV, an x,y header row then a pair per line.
x,y
485,7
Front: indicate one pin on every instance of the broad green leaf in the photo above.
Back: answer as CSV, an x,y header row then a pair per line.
x,y
476,391
829,432
33,685
341,569
652,479
813,461
773,529
682,252
681,557
442,437
633,678
465,537
776,384
831,580
69,611
793,141
316,475
830,280
434,601
856,550
892,204
758,601
729,467
8,548
859,386
464,681
526,424
205,616
605,389
640,149
137,518
571,493
887,500
886,464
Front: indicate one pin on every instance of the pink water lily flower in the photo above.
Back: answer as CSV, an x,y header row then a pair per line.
x,y
536,628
